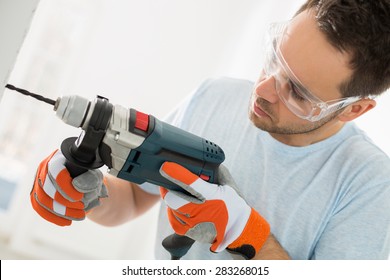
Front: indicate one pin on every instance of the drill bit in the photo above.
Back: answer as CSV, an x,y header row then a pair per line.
x,y
36,96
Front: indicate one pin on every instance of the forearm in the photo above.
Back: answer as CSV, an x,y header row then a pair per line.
x,y
272,250
125,202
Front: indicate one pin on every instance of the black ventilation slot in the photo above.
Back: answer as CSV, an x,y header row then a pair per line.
x,y
134,161
212,150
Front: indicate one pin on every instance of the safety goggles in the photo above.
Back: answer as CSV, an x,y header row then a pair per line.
x,y
290,90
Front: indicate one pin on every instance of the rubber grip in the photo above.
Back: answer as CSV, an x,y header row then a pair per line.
x,y
177,245
74,170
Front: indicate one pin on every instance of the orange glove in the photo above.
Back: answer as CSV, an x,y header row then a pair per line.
x,y
219,216
58,198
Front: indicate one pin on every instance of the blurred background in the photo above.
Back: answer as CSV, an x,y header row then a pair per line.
x,y
145,54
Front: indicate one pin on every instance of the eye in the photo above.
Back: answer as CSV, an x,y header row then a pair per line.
x,y
295,92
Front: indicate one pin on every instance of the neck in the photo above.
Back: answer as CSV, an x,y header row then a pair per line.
x,y
305,139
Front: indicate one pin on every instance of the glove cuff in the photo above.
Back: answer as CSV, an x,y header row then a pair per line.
x,y
252,238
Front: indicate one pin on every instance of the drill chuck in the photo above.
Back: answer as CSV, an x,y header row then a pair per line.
x,y
73,110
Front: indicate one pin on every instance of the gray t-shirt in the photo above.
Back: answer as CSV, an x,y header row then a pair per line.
x,y
329,200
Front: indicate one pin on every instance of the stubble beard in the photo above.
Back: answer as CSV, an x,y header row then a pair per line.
x,y
273,125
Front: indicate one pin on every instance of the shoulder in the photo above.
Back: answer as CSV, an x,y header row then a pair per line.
x,y
223,87
211,95
363,152
212,102
221,96
365,169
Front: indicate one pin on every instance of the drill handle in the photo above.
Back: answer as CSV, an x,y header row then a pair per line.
x,y
177,245
74,170
78,157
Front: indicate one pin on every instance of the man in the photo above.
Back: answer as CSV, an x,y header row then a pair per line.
x,y
308,183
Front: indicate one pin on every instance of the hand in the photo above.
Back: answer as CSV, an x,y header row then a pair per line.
x,y
218,215
58,198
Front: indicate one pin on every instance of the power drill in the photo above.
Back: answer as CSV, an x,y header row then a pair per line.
x,y
133,146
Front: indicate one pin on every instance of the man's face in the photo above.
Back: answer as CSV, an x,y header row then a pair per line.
x,y
316,63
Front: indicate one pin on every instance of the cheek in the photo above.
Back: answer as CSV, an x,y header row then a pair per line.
x,y
291,116
285,116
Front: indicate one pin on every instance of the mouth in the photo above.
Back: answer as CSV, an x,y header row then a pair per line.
x,y
259,111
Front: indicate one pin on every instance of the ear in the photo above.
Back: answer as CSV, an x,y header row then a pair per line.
x,y
356,109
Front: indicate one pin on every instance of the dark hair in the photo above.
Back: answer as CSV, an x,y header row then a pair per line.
x,y
360,28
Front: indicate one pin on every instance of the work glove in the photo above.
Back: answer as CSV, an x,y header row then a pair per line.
x,y
216,214
59,198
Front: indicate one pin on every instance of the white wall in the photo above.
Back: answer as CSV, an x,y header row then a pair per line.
x,y
145,54
15,19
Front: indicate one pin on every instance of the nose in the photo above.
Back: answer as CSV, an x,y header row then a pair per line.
x,y
265,88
